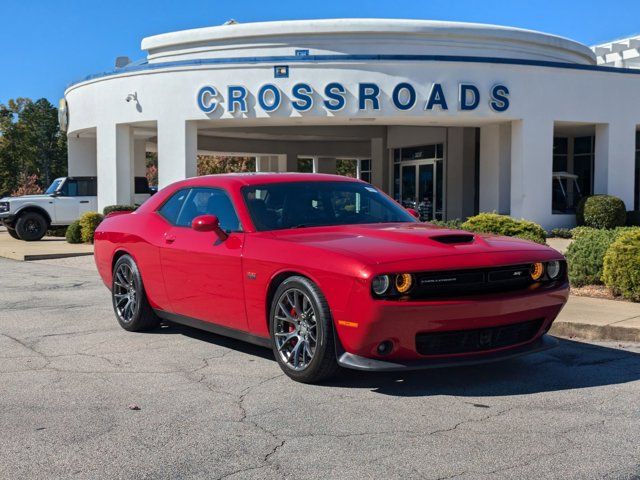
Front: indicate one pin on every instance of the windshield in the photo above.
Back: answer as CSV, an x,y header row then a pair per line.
x,y
54,186
307,204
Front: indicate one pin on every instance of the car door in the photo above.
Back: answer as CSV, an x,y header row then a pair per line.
x,y
66,204
86,195
202,274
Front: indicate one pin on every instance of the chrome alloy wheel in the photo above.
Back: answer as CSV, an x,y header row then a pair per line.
x,y
295,329
124,293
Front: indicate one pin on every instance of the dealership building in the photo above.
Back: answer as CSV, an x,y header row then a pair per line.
x,y
449,118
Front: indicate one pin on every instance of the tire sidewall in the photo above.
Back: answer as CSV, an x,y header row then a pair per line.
x,y
133,324
13,233
323,321
24,234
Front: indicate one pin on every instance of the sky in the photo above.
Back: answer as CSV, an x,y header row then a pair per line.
x,y
48,44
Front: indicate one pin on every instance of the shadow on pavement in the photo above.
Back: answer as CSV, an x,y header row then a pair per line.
x,y
569,366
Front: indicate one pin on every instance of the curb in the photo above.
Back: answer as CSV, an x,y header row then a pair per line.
x,y
588,331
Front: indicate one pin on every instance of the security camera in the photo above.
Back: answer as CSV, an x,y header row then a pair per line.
x,y
132,96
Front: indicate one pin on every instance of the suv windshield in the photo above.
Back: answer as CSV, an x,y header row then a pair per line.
x,y
54,186
307,204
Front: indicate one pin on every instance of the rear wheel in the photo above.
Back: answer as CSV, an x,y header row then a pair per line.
x,y
129,299
31,226
302,331
13,233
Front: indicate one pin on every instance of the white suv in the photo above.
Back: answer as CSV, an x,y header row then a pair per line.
x,y
28,217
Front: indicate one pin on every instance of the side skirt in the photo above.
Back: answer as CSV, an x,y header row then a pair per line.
x,y
214,328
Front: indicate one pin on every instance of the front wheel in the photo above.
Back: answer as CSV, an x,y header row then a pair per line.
x,y
31,226
302,331
129,298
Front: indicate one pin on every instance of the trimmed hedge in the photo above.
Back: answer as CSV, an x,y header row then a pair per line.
x,y
118,208
601,211
505,225
622,266
88,224
73,234
585,255
455,223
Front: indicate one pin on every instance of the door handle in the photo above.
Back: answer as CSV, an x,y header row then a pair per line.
x,y
84,201
169,238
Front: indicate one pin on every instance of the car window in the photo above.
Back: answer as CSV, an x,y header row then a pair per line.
x,y
209,201
86,187
69,188
171,208
305,204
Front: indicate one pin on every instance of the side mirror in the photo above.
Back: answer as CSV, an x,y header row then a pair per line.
x,y
209,223
413,212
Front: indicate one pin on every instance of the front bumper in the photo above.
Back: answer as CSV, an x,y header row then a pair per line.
x,y
7,218
357,362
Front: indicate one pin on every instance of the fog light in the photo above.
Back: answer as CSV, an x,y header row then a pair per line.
x,y
385,347
553,269
404,282
380,284
537,270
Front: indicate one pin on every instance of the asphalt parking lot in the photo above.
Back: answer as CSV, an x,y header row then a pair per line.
x,y
212,408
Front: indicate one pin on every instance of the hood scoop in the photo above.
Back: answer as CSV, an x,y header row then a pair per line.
x,y
454,238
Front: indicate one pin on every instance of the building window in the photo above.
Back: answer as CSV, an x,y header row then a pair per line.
x,y
364,170
305,165
418,174
573,165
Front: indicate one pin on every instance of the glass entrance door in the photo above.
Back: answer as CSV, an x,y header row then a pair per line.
x,y
421,188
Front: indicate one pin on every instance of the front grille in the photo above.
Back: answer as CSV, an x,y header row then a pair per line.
x,y
470,282
476,340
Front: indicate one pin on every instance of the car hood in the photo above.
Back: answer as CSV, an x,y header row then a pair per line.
x,y
385,243
23,198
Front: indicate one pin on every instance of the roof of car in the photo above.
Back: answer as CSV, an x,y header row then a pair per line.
x,y
261,178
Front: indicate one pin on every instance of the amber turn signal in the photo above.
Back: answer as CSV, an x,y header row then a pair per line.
x,y
404,282
537,271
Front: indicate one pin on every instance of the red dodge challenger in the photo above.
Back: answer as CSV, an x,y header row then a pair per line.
x,y
327,271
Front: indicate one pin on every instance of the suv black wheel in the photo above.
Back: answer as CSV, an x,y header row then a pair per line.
x,y
302,331
129,299
31,226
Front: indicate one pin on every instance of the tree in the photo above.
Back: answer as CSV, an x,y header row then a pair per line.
x,y
30,144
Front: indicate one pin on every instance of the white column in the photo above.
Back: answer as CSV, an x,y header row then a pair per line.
x,y
177,150
379,164
115,165
615,161
531,167
81,155
140,157
494,182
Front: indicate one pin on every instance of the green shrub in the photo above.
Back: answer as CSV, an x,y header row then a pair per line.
x,y
455,223
585,255
73,234
505,225
117,208
561,233
601,211
88,224
622,266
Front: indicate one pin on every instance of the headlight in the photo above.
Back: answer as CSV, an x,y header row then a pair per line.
x,y
537,271
553,269
404,282
380,284
4,207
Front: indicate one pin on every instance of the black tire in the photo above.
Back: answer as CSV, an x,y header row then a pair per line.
x,y
323,364
31,226
140,317
13,233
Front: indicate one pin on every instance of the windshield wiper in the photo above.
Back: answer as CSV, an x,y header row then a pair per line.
x,y
305,225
